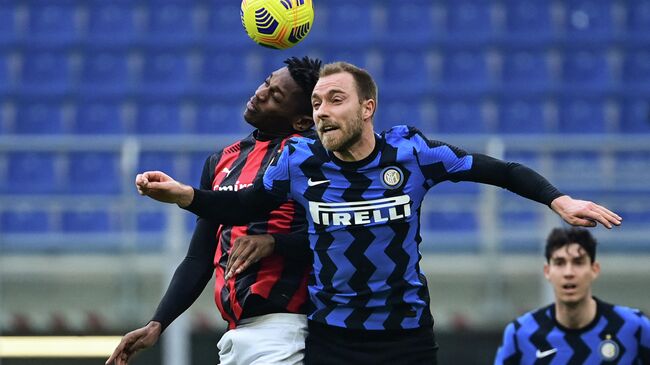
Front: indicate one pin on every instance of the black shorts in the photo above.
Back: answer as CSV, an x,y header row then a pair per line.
x,y
327,345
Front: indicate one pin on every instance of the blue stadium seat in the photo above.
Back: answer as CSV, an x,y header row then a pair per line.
x,y
46,117
636,68
463,187
468,21
465,70
94,173
576,167
112,23
582,116
27,221
460,116
409,23
638,19
197,162
45,72
224,26
100,117
635,116
159,117
226,74
171,23
151,222
392,113
159,161
525,70
347,23
87,222
105,72
586,68
165,72
5,77
589,20
8,31
406,73
52,22
530,159
528,20
521,116
214,118
33,173
452,221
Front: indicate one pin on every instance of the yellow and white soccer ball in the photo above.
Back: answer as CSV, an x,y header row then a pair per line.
x,y
277,23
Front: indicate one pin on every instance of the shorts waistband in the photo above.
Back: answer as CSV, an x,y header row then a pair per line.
x,y
286,318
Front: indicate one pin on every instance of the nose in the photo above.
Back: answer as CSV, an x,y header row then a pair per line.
x,y
262,92
569,270
321,113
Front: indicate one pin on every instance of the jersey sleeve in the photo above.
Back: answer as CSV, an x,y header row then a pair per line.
x,y
508,353
644,339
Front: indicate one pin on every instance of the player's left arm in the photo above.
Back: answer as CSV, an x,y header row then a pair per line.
x,y
508,353
441,161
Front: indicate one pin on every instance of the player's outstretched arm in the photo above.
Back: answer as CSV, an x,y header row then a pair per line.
x,y
584,213
133,342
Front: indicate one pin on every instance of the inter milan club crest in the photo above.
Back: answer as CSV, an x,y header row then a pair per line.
x,y
392,177
608,349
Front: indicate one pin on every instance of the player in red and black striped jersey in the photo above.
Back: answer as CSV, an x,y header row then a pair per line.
x,y
265,304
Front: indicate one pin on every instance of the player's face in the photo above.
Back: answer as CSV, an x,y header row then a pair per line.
x,y
338,111
274,106
571,273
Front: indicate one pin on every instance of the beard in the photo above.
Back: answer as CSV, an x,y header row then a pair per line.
x,y
349,134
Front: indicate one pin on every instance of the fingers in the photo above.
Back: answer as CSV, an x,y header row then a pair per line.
x,y
242,255
121,353
594,213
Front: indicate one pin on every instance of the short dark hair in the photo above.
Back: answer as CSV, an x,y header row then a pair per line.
x,y
305,72
366,86
560,237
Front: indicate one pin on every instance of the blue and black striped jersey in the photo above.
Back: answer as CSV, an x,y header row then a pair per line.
x,y
617,335
363,221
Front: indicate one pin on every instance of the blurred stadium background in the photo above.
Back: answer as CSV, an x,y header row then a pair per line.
x,y
92,92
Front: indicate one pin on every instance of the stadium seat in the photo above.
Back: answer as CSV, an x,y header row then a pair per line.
x,y
393,113
8,30
165,72
525,70
113,23
638,20
528,20
87,222
159,117
348,23
460,116
635,116
52,22
465,70
159,161
45,72
151,222
197,162
636,69
5,76
94,173
582,116
33,173
452,221
100,117
573,169
521,116
105,73
224,26
409,23
406,73
588,20
585,68
47,117
530,159
24,221
468,21
214,118
170,23
227,74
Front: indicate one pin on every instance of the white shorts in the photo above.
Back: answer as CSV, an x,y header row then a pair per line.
x,y
277,338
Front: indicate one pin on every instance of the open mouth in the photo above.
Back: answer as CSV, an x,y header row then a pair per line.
x,y
251,105
328,128
569,287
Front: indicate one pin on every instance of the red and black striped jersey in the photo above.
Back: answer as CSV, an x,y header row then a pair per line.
x,y
275,283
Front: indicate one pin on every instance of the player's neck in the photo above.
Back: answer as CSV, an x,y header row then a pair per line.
x,y
361,149
261,135
576,315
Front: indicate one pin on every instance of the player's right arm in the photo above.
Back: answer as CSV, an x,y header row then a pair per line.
x,y
508,353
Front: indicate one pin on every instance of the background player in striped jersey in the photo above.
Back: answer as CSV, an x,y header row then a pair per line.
x,y
362,192
264,305
578,328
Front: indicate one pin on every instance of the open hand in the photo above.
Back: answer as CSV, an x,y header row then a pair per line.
x,y
135,341
584,213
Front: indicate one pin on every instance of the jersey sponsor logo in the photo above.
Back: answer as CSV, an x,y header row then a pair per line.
x,y
235,187
608,349
311,182
543,354
361,212
392,177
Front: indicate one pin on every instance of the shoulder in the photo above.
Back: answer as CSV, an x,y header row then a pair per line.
x,y
628,314
532,320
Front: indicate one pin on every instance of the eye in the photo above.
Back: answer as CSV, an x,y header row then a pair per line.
x,y
315,104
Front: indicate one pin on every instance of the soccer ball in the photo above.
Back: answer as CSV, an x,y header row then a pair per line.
x,y
277,24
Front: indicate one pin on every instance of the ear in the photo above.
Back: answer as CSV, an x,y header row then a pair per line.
x,y
595,267
547,269
368,108
303,123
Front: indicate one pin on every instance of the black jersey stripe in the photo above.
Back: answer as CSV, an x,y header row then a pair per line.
x,y
538,338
